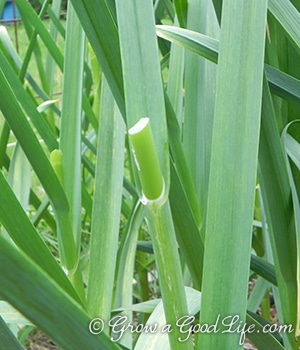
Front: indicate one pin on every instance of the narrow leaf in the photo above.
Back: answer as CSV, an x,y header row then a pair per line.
x,y
8,340
16,222
30,291
288,16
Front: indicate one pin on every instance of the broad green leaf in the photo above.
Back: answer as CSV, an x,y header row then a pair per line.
x,y
106,207
70,127
233,167
199,100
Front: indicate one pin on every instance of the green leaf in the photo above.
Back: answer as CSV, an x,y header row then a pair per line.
x,y
142,83
181,7
199,101
218,9
17,121
281,83
187,233
233,167
263,268
278,207
260,338
33,293
126,264
30,15
292,148
168,267
8,340
182,170
159,339
27,104
196,42
162,231
19,176
106,207
288,16
70,127
16,222
145,307
16,62
103,36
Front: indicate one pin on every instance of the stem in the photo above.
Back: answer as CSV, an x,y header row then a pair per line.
x,y
162,230
146,159
169,270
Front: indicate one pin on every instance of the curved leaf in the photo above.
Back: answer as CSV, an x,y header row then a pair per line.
x,y
17,121
194,41
38,298
25,236
281,83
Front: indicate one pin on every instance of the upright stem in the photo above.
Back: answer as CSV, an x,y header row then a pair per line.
x,y
162,231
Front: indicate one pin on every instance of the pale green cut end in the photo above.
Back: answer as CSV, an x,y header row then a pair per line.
x,y
56,162
146,158
139,126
